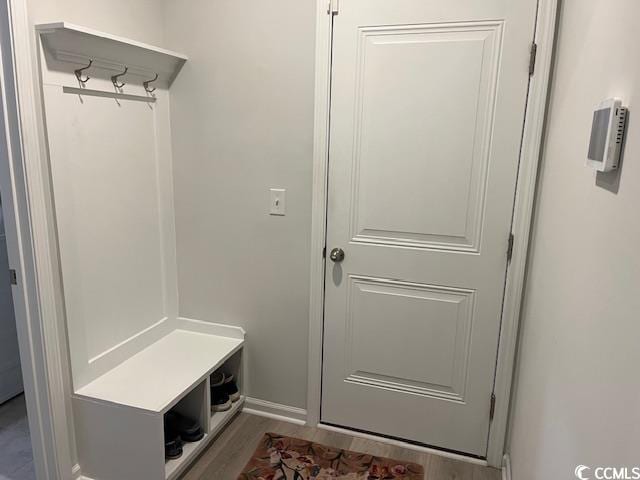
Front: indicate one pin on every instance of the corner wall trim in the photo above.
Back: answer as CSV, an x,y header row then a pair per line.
x,y
275,411
521,228
31,243
324,27
506,467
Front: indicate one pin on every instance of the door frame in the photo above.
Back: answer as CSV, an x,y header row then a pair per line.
x,y
544,37
32,249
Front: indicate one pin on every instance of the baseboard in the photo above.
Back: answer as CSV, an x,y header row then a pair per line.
x,y
276,411
11,394
506,467
12,385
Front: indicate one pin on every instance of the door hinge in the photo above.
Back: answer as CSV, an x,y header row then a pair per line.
x,y
510,247
532,58
492,408
333,6
13,277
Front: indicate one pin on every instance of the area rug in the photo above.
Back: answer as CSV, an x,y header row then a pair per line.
x,y
284,458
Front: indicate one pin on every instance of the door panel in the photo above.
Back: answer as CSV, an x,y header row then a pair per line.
x,y
427,109
434,327
394,100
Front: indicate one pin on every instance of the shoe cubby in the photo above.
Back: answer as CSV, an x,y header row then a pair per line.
x,y
194,407
121,415
218,419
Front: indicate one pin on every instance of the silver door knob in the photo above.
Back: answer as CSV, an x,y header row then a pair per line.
x,y
337,255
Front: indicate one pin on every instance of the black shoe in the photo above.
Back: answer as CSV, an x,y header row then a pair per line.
x,y
188,429
220,401
172,442
230,388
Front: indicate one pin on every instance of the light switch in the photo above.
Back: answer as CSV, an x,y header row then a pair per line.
x,y
278,201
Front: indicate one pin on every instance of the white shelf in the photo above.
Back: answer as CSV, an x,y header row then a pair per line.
x,y
220,419
75,44
157,377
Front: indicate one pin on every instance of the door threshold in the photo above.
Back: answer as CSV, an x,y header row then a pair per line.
x,y
405,444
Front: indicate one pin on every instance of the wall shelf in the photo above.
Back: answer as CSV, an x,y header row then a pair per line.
x,y
77,45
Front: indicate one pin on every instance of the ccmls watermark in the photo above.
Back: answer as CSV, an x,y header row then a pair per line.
x,y
583,472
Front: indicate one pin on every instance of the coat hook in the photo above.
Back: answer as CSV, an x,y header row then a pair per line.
x,y
115,78
79,71
148,82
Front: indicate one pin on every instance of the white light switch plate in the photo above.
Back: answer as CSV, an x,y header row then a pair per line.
x,y
278,201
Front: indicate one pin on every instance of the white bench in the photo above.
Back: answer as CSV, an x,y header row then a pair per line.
x,y
119,416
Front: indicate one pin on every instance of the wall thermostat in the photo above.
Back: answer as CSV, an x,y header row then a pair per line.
x,y
607,133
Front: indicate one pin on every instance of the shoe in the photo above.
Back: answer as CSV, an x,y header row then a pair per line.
x,y
220,401
231,388
172,442
189,430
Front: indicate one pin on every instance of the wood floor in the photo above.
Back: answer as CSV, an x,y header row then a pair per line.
x,y
16,458
228,454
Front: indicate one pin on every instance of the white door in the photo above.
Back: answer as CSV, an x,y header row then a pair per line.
x,y
427,109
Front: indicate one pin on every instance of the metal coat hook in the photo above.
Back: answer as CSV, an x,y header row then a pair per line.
x,y
149,82
115,78
79,71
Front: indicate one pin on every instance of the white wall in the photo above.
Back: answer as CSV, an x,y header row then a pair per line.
x,y
578,395
242,122
10,374
141,20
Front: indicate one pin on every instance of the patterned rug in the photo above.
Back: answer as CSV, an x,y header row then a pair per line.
x,y
285,458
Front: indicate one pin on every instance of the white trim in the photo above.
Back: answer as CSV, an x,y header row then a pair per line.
x,y
32,252
506,467
210,328
324,23
275,411
527,177
405,445
523,212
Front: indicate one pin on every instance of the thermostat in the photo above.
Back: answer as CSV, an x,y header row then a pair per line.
x,y
607,133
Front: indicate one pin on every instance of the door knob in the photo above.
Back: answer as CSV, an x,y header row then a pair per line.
x,y
337,255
